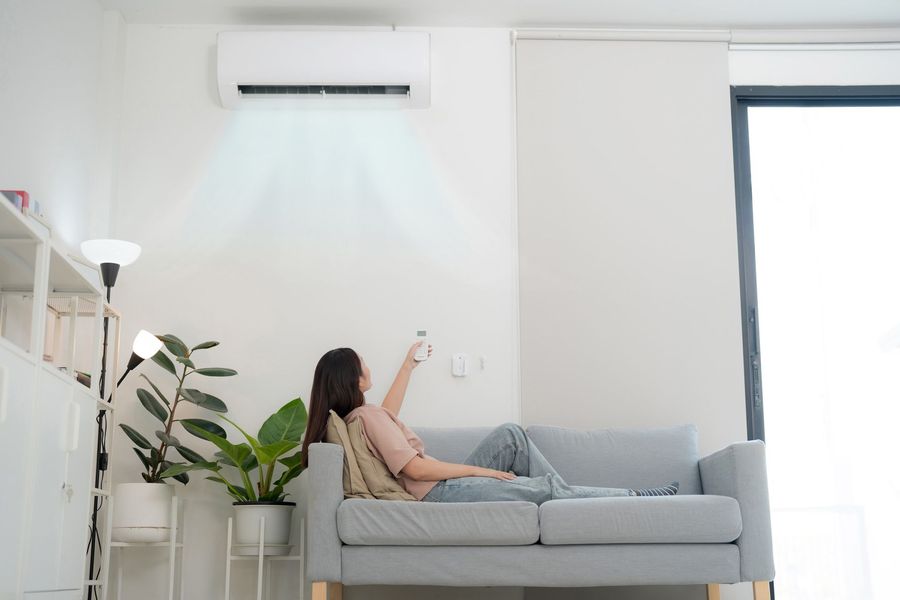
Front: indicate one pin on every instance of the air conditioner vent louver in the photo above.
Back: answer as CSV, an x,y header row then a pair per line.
x,y
344,90
324,69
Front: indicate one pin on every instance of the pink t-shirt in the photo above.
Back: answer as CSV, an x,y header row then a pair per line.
x,y
393,443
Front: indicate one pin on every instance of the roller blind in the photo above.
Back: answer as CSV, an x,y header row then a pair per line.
x,y
629,288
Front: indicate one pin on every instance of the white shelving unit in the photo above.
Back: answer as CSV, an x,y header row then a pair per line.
x,y
175,547
263,561
50,329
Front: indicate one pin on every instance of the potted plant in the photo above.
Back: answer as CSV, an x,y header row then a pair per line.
x,y
260,491
142,512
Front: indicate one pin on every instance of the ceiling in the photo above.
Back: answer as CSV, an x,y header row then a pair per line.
x,y
726,14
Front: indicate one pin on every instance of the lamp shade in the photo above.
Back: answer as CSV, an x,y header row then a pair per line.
x,y
146,344
117,252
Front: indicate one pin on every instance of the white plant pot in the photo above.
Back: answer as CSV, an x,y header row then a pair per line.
x,y
142,513
278,517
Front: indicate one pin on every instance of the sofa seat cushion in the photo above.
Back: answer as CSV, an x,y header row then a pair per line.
x,y
641,520
384,523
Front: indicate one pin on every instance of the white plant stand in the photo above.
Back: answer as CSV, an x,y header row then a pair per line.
x,y
263,561
175,547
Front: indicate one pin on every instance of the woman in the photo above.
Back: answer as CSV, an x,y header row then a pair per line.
x,y
506,465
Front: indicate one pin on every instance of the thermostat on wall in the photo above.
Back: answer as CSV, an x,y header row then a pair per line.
x,y
460,365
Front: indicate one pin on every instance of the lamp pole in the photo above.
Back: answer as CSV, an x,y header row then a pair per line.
x,y
110,255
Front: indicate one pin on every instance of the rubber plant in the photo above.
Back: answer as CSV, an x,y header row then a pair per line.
x,y
258,458
155,458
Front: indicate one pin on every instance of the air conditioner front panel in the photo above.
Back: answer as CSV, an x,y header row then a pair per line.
x,y
327,59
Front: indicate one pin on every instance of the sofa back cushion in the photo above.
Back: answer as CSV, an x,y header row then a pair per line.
x,y
628,458
451,444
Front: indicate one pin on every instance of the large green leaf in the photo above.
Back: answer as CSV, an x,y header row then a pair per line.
x,y
271,452
191,395
250,464
168,440
216,372
156,389
189,455
136,437
288,475
209,426
173,344
205,345
207,401
292,460
287,424
185,361
152,405
213,403
236,453
179,468
164,361
144,460
165,466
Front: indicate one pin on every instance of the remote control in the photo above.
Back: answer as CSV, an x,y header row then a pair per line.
x,y
422,353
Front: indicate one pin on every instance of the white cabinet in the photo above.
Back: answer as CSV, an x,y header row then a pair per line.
x,y
50,342
16,392
63,435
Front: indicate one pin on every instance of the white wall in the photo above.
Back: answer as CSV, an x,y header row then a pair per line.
x,y
286,234
50,107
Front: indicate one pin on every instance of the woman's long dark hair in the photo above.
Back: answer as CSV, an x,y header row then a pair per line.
x,y
335,387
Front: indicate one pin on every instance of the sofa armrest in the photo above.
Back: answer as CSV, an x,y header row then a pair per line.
x,y
322,490
739,471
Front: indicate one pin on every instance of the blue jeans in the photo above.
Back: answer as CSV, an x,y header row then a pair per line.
x,y
507,448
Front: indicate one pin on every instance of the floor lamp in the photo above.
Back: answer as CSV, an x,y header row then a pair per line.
x,y
109,255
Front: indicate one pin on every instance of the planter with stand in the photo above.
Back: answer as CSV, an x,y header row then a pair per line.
x,y
248,517
142,513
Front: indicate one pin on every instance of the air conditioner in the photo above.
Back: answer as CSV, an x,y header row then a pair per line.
x,y
324,69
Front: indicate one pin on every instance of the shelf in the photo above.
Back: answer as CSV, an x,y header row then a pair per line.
x,y
18,248
255,557
62,305
66,278
14,224
144,544
18,262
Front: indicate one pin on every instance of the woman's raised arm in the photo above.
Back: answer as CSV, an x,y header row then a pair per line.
x,y
394,398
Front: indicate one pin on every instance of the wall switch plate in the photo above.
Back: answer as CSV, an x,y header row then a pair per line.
x,y
460,365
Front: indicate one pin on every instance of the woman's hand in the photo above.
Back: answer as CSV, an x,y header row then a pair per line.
x,y
410,360
483,472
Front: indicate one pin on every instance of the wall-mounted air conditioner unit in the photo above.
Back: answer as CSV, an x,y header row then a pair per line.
x,y
324,69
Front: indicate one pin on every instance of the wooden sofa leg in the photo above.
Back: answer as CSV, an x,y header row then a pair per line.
x,y
335,591
327,590
713,592
761,590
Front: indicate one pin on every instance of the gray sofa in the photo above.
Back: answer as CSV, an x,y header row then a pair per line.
x,y
716,530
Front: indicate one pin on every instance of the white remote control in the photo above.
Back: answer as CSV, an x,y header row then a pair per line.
x,y
422,353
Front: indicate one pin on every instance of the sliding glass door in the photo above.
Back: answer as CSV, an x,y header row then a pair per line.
x,y
818,182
